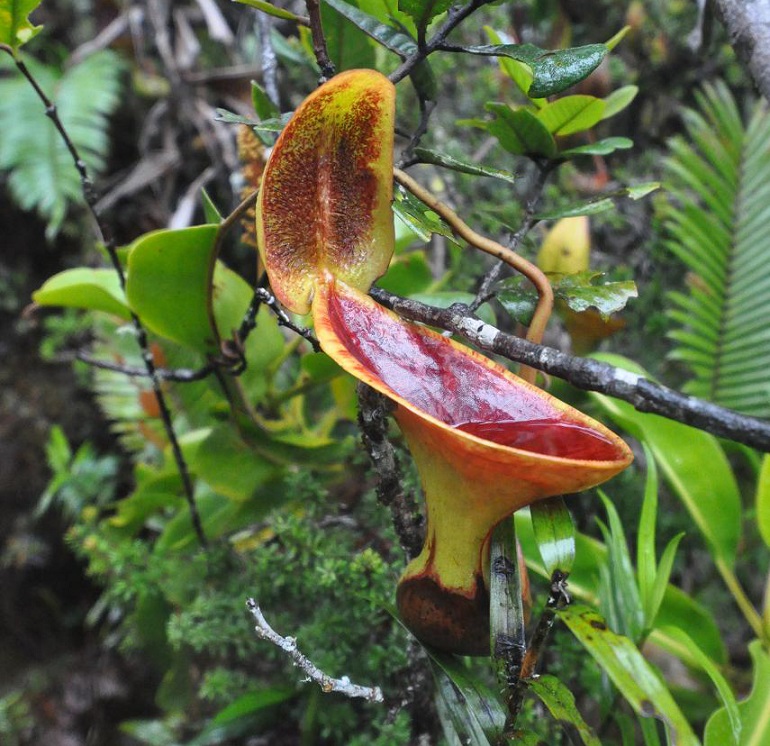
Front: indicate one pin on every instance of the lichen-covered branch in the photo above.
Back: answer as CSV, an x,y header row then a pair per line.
x,y
301,661
587,374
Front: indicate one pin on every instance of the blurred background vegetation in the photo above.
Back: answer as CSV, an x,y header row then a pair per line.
x,y
109,635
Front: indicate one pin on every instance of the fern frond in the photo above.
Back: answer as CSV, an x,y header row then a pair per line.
x,y
718,225
42,176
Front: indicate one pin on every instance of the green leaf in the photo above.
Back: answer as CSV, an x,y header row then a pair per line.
x,y
243,716
571,114
600,147
396,41
15,27
720,684
634,677
475,709
169,285
561,704
580,294
710,495
552,72
754,710
270,9
89,289
519,72
665,567
646,558
678,609
42,175
520,132
619,100
423,11
263,106
718,177
618,588
554,533
348,46
577,291
455,164
762,500
599,204
227,464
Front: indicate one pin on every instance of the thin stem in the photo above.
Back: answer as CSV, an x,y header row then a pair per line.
x,y
527,223
455,16
319,40
741,599
105,237
179,375
487,245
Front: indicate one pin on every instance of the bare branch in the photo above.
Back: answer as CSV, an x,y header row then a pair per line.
x,y
587,374
748,24
289,646
319,40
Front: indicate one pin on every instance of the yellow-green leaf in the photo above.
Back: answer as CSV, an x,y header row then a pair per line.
x,y
15,26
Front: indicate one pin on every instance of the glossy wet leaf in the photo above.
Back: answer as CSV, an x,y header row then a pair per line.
x,y
571,114
710,495
576,291
324,205
552,72
520,132
718,680
762,500
641,686
89,289
396,41
554,533
561,704
466,167
581,292
678,609
15,26
418,216
599,204
519,72
754,710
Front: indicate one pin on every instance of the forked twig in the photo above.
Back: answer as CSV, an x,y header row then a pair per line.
x,y
289,646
